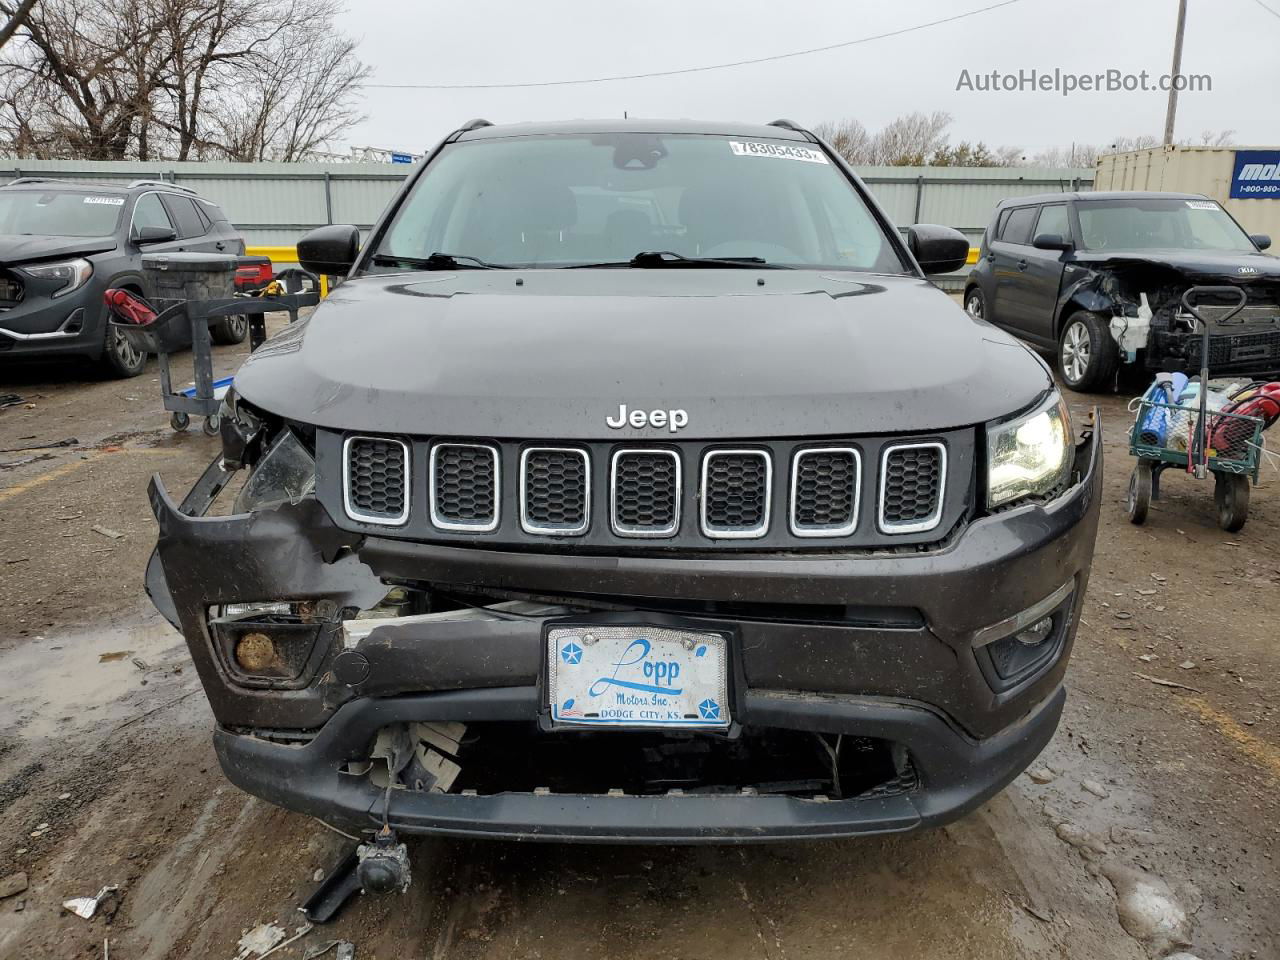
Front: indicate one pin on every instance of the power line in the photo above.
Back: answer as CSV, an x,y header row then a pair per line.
x,y
687,70
1270,10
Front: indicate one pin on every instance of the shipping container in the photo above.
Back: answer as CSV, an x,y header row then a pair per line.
x,y
1245,180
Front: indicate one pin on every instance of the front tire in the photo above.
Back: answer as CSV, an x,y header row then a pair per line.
x,y
1231,493
1087,356
975,305
230,330
1139,499
121,360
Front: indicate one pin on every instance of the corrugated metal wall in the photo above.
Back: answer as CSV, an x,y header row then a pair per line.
x,y
275,203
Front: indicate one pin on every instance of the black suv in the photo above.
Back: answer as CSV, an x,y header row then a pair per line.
x,y
635,484
1099,278
62,244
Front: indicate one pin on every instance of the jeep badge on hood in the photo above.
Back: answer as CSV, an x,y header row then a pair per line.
x,y
673,420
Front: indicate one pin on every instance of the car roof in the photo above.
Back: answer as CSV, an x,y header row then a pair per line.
x,y
1097,195
562,127
134,186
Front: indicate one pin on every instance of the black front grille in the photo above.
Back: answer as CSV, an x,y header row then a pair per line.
x,y
555,489
464,485
825,491
735,492
912,492
1245,348
646,493
377,479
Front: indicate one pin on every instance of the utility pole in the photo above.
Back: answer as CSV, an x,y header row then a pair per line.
x,y
1175,74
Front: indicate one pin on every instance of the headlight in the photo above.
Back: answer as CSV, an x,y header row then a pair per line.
x,y
286,472
1030,456
72,274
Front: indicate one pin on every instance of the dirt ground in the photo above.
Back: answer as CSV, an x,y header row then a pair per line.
x,y
1155,796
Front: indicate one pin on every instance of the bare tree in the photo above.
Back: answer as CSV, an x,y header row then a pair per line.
x,y
180,79
913,139
849,138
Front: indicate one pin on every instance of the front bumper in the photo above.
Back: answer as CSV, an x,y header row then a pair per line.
x,y
44,327
903,665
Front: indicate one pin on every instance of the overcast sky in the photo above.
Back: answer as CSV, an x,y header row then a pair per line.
x,y
505,41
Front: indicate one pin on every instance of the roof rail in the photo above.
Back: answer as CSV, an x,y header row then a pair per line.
x,y
475,124
787,125
37,180
160,183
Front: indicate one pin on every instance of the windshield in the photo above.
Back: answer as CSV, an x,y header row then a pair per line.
x,y
1160,224
60,214
549,201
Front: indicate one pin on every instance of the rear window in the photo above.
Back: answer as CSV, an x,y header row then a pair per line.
x,y
59,214
1017,228
184,214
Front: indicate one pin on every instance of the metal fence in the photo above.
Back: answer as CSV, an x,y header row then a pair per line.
x,y
275,203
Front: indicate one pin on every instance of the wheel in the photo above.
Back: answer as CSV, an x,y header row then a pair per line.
x,y
974,304
211,425
120,358
230,330
1087,356
1139,501
179,421
1231,493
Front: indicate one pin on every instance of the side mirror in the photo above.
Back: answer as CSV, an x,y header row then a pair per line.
x,y
154,234
1051,241
329,250
1261,241
938,249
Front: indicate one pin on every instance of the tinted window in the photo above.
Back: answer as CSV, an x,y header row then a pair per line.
x,y
184,214
1017,229
570,200
38,213
1154,223
203,214
149,212
1053,219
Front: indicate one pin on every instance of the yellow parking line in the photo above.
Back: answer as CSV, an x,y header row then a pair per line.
x,y
1264,754
8,493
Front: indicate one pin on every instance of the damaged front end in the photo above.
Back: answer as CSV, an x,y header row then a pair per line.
x,y
1152,328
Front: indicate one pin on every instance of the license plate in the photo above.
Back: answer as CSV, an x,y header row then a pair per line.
x,y
624,676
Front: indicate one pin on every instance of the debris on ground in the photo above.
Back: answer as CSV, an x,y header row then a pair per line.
x,y
298,934
259,940
68,442
112,656
86,907
1187,665
346,950
1041,775
23,461
1094,787
12,885
1147,909
107,532
1165,683
1088,845
10,399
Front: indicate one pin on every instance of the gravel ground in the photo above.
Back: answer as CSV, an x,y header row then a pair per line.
x,y
1150,795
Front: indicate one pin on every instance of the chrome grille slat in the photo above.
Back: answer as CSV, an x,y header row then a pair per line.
x,y
737,489
644,492
465,486
826,491
375,480
555,491
913,478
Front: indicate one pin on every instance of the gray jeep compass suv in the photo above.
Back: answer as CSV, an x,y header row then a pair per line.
x,y
63,243
635,485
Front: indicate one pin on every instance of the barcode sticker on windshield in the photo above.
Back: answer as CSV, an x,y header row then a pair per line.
x,y
110,201
1202,205
784,151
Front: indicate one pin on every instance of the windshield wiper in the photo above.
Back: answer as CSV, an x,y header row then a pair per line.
x,y
669,258
438,261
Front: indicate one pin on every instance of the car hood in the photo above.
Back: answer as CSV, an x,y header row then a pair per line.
x,y
1196,265
551,354
21,248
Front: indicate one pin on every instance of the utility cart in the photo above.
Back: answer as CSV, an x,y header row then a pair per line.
x,y
193,291
1194,438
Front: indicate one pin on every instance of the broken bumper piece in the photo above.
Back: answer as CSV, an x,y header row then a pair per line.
x,y
956,775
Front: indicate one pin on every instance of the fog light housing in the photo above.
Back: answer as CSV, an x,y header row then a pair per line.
x,y
274,644
1017,649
